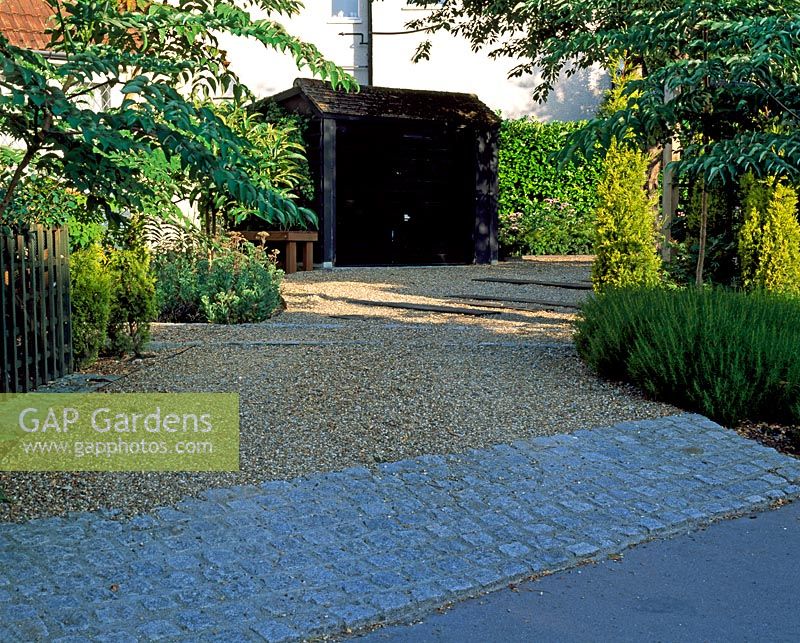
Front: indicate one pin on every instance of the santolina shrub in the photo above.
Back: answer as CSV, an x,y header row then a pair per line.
x,y
242,286
727,354
544,209
236,283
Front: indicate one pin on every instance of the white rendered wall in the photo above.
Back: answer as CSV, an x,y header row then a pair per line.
x,y
452,67
267,72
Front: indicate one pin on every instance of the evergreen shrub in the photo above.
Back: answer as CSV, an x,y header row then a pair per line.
x,y
728,354
625,245
90,297
769,239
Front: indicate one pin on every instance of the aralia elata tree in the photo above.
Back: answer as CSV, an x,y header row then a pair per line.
x,y
165,57
731,69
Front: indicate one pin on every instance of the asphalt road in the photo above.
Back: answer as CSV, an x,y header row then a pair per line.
x,y
737,580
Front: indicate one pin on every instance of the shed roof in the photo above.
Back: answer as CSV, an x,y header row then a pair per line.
x,y
24,22
390,102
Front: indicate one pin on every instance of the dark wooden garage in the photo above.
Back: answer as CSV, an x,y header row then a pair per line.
x,y
403,176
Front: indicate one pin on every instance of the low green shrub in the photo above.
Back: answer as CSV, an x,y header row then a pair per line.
x,y
239,284
625,249
243,286
727,354
544,209
769,239
133,300
90,297
179,283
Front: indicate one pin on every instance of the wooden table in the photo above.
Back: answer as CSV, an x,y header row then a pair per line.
x,y
290,239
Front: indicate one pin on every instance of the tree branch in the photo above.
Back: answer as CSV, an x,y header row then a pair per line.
x,y
785,107
403,33
15,179
30,152
89,90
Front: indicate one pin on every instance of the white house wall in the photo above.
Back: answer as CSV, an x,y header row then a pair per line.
x,y
267,72
452,67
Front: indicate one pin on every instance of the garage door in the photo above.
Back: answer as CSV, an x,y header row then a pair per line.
x,y
405,194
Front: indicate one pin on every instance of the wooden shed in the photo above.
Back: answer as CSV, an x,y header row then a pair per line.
x,y
403,176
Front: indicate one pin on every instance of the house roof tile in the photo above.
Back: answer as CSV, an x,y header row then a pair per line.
x,y
389,102
24,22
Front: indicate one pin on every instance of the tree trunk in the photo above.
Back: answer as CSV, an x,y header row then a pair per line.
x,y
655,154
669,193
654,190
667,205
701,252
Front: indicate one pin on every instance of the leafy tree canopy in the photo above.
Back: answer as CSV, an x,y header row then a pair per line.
x,y
723,75
165,58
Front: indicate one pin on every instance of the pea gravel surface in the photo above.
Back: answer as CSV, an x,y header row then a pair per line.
x,y
329,384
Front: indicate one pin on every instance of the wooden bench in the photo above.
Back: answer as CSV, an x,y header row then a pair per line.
x,y
290,239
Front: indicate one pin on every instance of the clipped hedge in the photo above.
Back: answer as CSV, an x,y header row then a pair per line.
x,y
727,354
544,209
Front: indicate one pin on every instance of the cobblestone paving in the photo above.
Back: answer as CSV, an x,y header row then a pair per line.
x,y
341,550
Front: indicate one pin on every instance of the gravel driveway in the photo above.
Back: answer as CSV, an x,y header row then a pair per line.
x,y
330,383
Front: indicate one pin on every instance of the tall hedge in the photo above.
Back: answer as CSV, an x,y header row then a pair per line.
x,y
544,209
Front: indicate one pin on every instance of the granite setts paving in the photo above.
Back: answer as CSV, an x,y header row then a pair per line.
x,y
315,555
